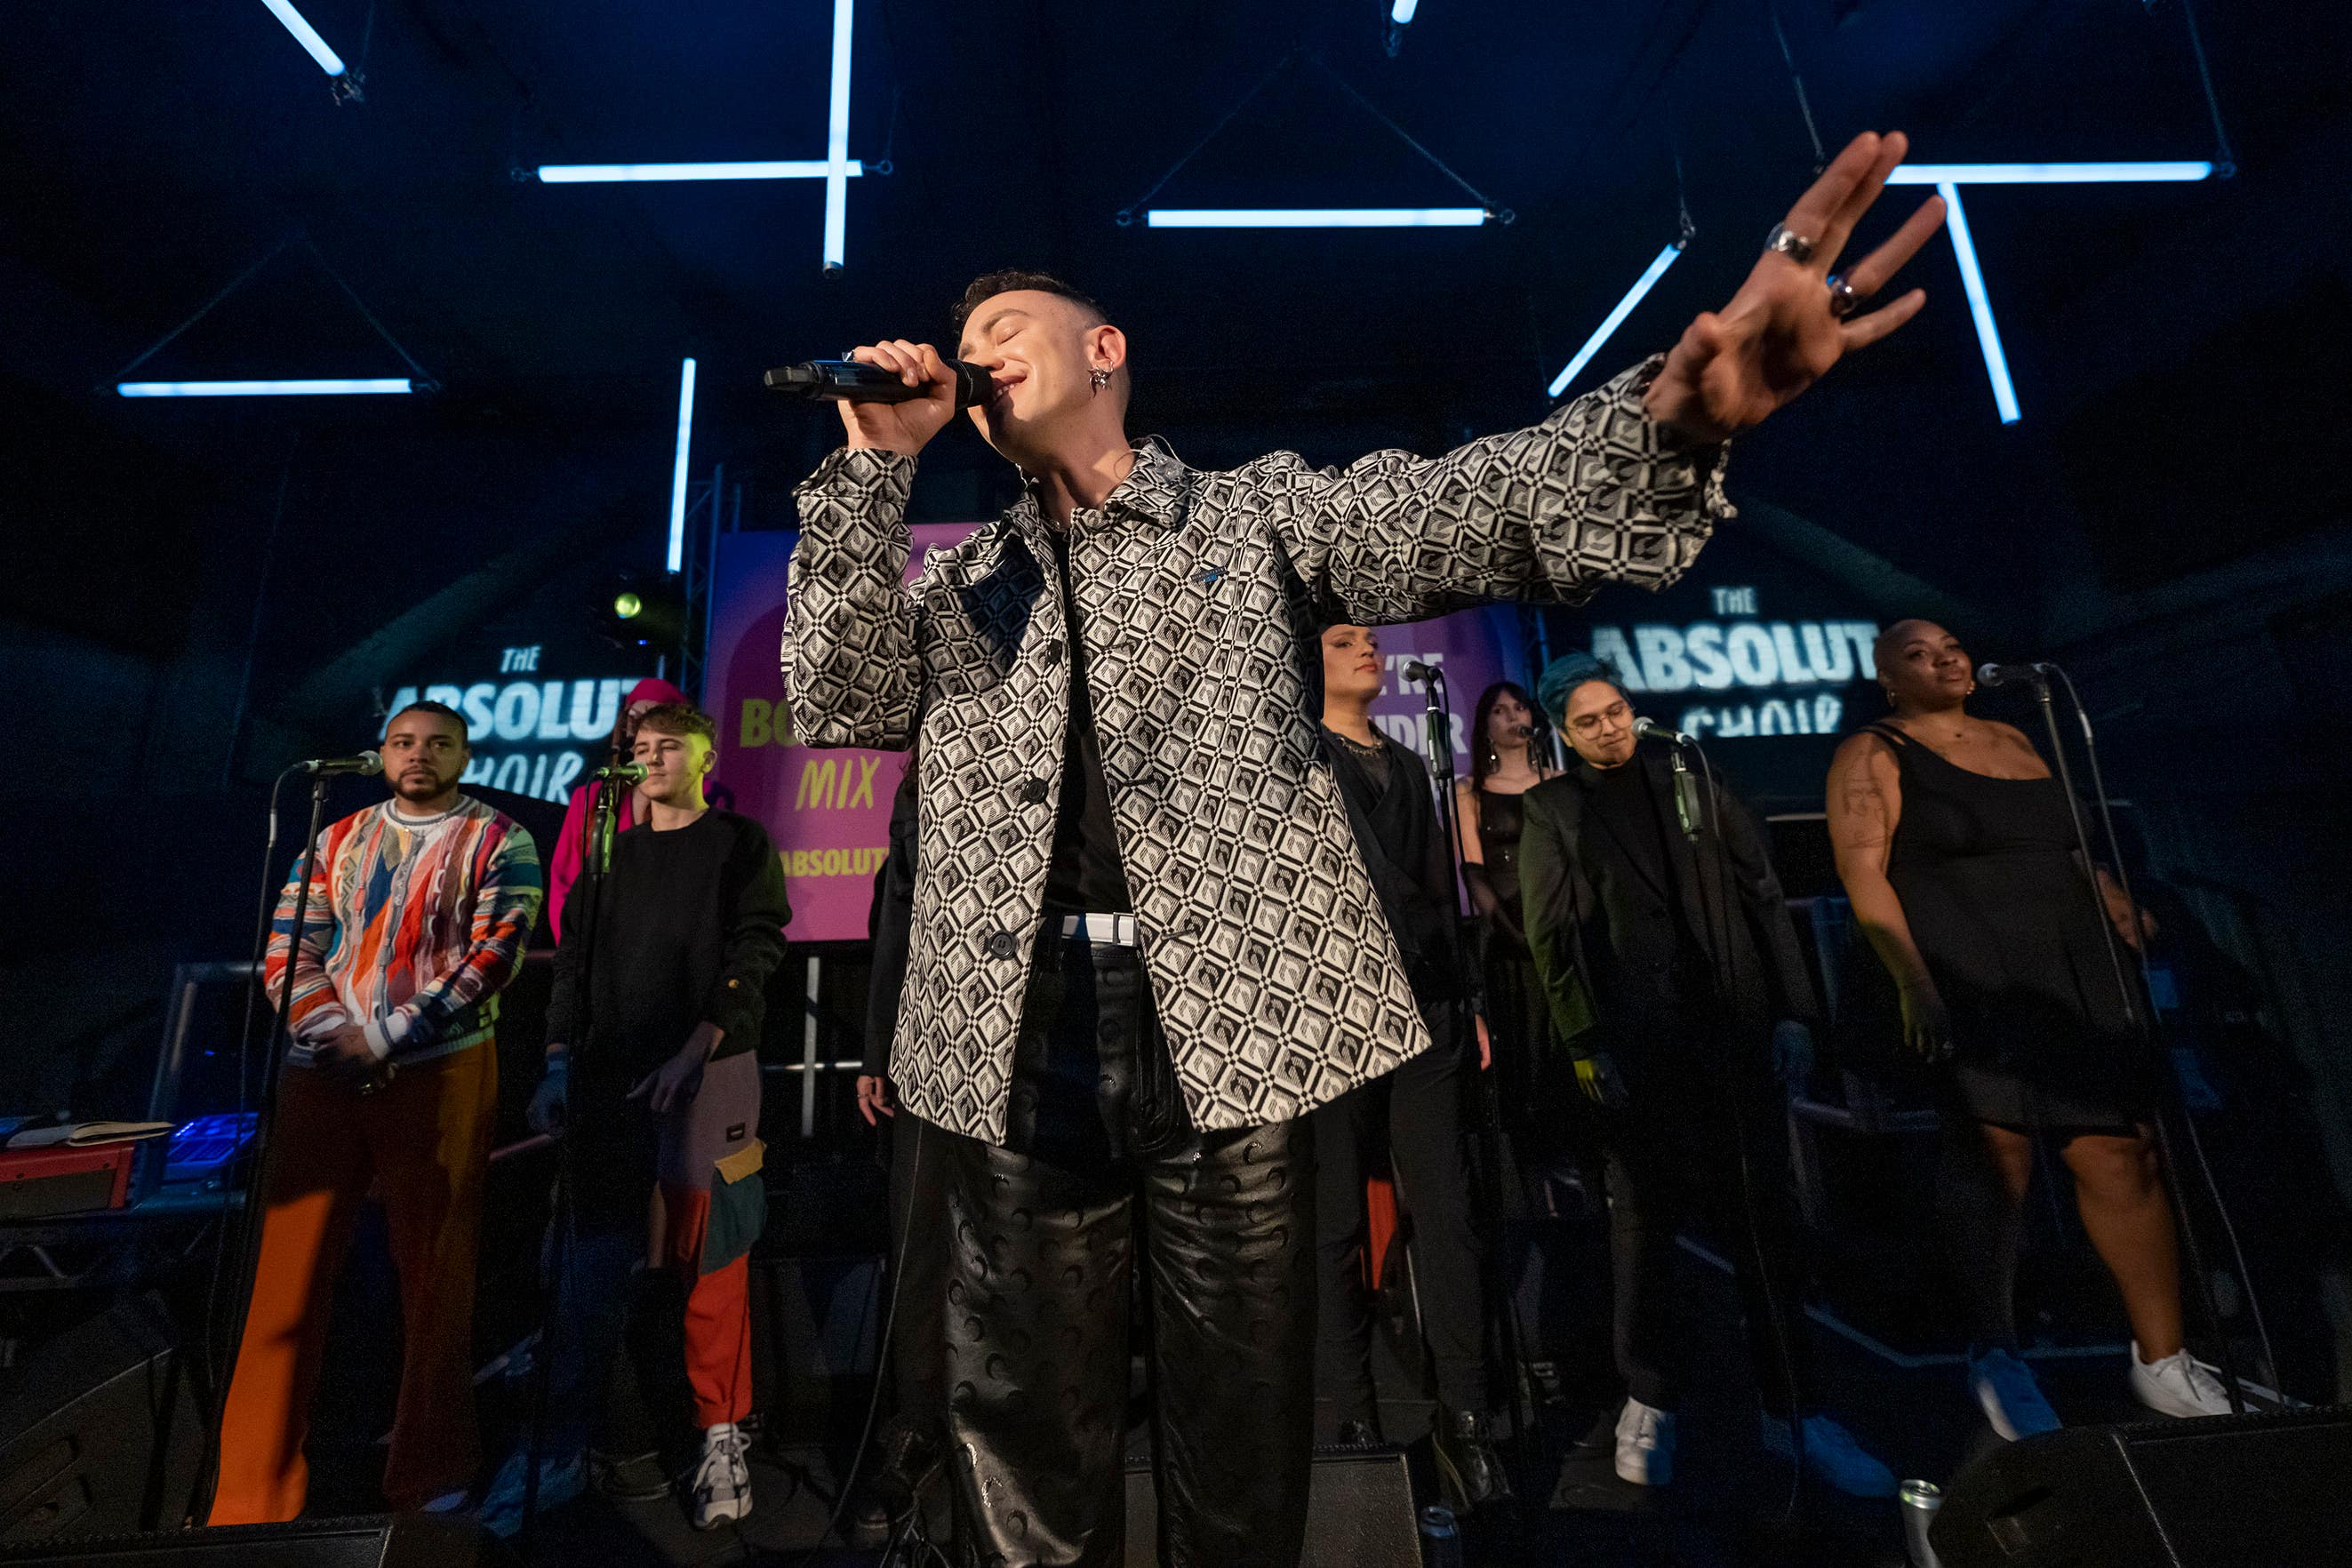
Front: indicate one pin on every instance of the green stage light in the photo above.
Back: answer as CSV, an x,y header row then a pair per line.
x,y
627,605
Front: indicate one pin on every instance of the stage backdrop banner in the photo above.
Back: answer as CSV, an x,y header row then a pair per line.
x,y
829,808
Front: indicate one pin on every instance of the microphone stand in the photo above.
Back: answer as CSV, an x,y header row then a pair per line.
x,y
2140,1013
1502,1310
1701,818
557,1254
281,1039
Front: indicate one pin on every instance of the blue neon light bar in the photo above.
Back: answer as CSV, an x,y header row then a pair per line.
x,y
257,388
2043,173
678,469
836,139
1402,12
1956,219
608,174
1616,318
1314,217
306,35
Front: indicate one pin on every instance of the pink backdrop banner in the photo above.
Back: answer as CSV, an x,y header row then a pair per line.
x,y
829,809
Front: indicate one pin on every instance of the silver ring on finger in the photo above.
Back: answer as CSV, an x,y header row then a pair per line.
x,y
1788,243
1844,298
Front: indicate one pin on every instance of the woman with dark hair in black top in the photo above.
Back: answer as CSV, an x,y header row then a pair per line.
x,y
1506,760
1957,849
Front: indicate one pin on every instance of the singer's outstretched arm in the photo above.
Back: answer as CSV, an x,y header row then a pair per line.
x,y
1598,492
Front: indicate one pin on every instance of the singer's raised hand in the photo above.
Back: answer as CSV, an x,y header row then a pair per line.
x,y
1783,330
902,427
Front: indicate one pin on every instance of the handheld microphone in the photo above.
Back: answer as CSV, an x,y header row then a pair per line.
x,y
622,773
1651,730
848,381
2011,674
1523,731
366,762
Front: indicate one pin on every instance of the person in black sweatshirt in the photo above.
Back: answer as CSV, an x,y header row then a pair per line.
x,y
653,1081
1420,1105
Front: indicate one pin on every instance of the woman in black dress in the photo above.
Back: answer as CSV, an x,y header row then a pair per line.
x,y
1958,850
1505,762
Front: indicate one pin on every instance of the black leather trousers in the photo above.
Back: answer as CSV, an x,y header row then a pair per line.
x,y
1045,1235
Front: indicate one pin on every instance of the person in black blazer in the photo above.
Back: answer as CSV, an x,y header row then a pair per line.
x,y
1678,991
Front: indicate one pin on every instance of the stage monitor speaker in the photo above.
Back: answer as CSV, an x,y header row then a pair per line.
x,y
402,1541
2222,1492
1358,1511
99,1431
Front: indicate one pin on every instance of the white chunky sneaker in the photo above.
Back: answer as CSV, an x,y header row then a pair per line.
x,y
722,1481
1645,1445
2178,1385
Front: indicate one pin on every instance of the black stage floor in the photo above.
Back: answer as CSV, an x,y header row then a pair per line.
x,y
1572,1511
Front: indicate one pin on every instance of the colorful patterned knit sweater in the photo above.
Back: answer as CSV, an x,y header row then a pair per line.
x,y
412,927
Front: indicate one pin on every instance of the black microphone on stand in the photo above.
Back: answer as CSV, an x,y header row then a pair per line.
x,y
622,773
848,381
2012,674
1689,810
364,763
1651,730
1436,717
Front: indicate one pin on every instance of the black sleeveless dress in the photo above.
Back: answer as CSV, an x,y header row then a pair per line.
x,y
1518,1017
1995,897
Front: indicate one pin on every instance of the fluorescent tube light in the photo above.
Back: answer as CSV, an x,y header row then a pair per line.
x,y
1314,217
678,469
1956,220
306,35
257,388
1616,318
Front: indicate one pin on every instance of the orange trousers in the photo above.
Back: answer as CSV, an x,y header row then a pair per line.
x,y
421,1142
718,1314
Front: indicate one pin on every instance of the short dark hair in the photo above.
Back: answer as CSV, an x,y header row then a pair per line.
x,y
987,285
679,719
428,705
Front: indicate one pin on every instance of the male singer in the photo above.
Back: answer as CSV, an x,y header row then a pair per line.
x,y
416,917
1145,945
1665,950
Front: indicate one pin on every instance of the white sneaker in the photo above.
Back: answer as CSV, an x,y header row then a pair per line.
x,y
1645,1445
722,1481
2178,1385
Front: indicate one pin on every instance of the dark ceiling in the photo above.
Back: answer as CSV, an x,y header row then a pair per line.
x,y
157,150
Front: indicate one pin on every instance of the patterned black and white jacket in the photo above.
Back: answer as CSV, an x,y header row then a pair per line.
x,y
1201,596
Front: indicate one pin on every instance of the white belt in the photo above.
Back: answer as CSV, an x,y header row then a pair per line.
x,y
1119,930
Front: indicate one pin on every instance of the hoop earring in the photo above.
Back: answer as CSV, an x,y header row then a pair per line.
x,y
1100,377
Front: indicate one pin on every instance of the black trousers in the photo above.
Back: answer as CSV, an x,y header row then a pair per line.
x,y
1045,1235
1696,1140
919,1250
1421,1104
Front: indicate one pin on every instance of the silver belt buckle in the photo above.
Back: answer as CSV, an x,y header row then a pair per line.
x,y
1115,931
